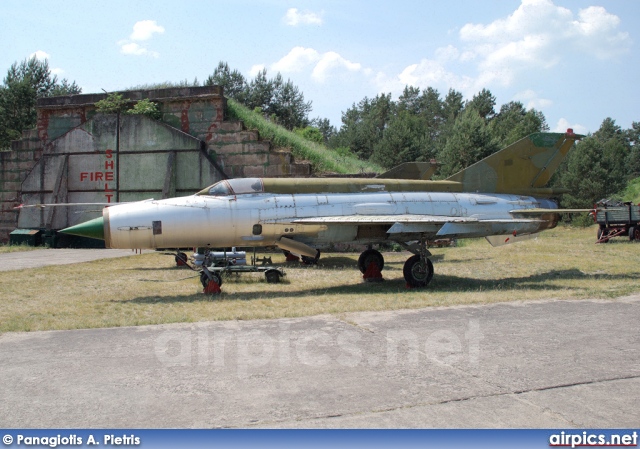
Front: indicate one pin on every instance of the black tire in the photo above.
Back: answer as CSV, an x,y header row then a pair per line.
x,y
600,232
417,274
632,233
204,280
272,276
367,257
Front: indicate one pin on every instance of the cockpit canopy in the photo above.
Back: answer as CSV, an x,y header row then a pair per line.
x,y
237,186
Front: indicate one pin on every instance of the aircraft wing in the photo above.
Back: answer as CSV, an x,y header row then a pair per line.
x,y
409,226
548,211
406,219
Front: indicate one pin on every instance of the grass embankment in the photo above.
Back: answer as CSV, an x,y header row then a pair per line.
x,y
147,289
632,191
322,158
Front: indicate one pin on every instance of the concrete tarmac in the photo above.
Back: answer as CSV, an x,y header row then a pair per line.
x,y
21,260
558,364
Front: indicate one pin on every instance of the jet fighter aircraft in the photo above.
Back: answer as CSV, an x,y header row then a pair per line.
x,y
503,198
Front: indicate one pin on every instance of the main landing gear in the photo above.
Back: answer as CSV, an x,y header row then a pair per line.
x,y
417,270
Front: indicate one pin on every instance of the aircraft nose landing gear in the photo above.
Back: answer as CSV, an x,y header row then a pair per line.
x,y
418,269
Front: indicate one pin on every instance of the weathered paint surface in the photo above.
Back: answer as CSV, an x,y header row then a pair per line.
x,y
534,159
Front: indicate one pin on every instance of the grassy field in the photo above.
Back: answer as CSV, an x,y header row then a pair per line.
x,y
147,289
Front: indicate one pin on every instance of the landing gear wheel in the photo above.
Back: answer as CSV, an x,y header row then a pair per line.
x,y
311,260
215,277
370,256
272,276
417,272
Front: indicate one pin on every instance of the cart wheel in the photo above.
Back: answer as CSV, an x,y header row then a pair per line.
x,y
204,280
272,276
600,232
632,233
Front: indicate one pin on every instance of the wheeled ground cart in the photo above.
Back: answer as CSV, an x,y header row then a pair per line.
x,y
617,219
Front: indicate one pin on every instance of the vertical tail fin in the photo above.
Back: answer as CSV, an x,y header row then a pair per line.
x,y
523,168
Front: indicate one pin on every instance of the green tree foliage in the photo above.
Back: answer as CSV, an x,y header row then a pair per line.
x,y
23,85
363,125
327,130
232,81
484,103
421,125
310,133
514,122
113,104
470,141
146,107
633,161
278,99
597,168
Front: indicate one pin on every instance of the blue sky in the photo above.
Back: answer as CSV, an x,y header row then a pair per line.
x,y
575,60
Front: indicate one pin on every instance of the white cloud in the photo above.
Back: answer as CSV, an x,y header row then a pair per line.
x,y
40,55
532,100
538,35
563,125
134,49
330,61
321,64
293,17
296,60
57,71
256,69
145,29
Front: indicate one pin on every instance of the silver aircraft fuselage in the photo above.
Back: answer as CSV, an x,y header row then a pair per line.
x,y
262,219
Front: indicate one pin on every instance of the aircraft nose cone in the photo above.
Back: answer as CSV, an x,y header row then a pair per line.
x,y
93,229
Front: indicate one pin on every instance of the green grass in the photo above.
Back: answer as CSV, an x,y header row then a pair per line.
x,y
563,263
17,248
632,191
322,158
